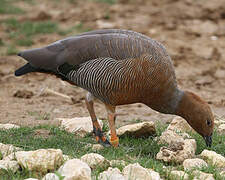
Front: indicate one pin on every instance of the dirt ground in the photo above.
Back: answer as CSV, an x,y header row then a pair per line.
x,y
192,31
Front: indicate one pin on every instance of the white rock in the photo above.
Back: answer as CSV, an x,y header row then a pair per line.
x,y
137,172
8,126
219,120
41,160
202,176
114,163
144,129
111,174
95,160
213,38
9,165
10,157
194,163
50,176
221,129
97,147
154,174
179,124
216,159
178,151
75,169
31,179
177,175
7,149
170,136
66,157
79,125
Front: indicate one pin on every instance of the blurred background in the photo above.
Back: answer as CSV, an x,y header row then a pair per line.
x,y
193,32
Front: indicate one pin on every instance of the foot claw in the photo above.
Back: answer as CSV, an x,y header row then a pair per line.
x,y
105,143
100,138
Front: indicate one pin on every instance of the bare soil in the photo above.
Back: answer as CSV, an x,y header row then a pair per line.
x,y
192,31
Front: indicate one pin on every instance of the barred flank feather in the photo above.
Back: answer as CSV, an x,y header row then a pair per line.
x,y
116,82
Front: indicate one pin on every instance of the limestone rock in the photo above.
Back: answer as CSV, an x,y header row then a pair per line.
x,y
97,147
9,165
42,160
144,129
95,160
114,163
137,172
218,121
50,176
221,129
177,175
79,125
10,157
170,136
75,169
194,163
154,174
201,175
66,157
7,149
111,174
177,152
179,124
216,159
8,126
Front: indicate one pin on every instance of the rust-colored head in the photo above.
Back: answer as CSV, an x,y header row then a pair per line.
x,y
198,114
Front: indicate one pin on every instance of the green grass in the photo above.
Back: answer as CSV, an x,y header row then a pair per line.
x,y
11,50
102,1
29,28
22,32
79,28
24,42
105,1
130,150
39,115
7,7
73,1
1,42
217,145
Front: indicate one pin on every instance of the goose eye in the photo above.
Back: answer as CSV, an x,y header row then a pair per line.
x,y
208,122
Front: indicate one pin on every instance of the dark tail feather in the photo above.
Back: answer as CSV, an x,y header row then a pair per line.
x,y
24,70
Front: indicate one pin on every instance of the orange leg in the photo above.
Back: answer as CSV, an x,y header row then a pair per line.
x,y
111,118
100,138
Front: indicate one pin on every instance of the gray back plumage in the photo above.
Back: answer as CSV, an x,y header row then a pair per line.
x,y
117,44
